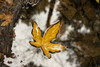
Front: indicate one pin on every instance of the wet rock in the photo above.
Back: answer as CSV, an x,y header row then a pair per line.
x,y
97,26
31,64
69,13
88,45
89,10
67,10
9,62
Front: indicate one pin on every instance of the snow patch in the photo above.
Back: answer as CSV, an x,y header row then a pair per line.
x,y
41,18
66,33
55,14
84,30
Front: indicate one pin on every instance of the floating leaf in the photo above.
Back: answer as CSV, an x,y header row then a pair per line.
x,y
44,42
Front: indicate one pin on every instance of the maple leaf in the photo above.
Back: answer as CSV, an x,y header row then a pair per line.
x,y
44,42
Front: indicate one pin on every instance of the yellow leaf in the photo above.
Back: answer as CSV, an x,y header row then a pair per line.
x,y
44,42
51,33
36,44
97,1
46,51
55,47
36,33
